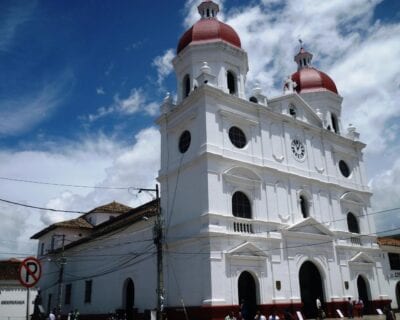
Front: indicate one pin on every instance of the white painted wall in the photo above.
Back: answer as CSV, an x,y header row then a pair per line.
x,y
13,299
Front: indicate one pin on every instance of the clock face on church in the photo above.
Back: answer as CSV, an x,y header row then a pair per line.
x,y
298,149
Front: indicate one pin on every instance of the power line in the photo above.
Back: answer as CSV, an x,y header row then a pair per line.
x,y
40,208
66,185
291,247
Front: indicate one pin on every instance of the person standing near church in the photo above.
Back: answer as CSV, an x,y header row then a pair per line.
x,y
318,304
52,315
230,316
349,308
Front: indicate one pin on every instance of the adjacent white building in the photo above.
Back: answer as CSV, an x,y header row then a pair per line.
x,y
264,200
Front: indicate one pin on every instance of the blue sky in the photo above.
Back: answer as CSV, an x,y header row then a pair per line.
x,y
81,83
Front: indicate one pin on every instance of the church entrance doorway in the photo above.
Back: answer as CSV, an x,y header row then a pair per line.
x,y
129,298
362,288
247,295
310,288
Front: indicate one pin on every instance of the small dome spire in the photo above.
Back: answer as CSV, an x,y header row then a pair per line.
x,y
208,9
303,58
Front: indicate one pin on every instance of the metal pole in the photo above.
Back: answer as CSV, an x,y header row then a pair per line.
x,y
27,303
158,239
60,278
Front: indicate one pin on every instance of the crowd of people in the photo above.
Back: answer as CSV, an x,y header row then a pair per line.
x,y
353,309
245,314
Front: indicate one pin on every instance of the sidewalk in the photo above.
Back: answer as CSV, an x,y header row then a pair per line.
x,y
367,317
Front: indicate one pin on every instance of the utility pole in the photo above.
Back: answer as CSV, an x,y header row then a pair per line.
x,y
158,241
60,275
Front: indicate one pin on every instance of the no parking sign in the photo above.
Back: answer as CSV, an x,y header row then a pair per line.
x,y
30,271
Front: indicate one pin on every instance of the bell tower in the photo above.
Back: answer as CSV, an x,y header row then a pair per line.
x,y
210,52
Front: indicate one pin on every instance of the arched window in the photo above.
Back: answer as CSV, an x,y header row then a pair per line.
x,y
344,169
186,86
335,124
231,78
304,206
292,111
241,205
253,99
352,223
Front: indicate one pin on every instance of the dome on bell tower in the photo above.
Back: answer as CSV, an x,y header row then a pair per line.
x,y
308,78
208,28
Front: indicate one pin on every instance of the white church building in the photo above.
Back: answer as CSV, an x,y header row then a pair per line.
x,y
264,201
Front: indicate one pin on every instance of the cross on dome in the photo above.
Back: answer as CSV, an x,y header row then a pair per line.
x,y
208,9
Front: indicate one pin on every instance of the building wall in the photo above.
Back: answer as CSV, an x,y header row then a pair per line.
x,y
13,299
108,262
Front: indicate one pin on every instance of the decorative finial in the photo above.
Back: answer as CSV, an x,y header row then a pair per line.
x,y
256,89
289,86
205,68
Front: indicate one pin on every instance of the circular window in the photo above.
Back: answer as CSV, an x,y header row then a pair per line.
x,y
184,141
344,168
237,137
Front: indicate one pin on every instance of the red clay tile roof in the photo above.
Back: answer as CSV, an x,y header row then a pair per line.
x,y
78,223
389,242
113,207
81,223
9,269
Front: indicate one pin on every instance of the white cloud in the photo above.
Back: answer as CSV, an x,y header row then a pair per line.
x,y
100,162
136,102
100,91
12,19
21,113
163,65
386,188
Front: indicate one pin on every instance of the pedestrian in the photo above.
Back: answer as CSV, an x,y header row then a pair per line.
x,y
318,304
360,307
70,314
76,314
273,316
349,308
52,315
230,316
244,310
259,316
387,310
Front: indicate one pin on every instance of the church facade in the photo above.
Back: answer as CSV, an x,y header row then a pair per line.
x,y
264,201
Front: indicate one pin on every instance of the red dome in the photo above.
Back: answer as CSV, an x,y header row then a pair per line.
x,y
309,79
206,30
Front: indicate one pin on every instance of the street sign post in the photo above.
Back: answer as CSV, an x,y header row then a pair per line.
x,y
30,271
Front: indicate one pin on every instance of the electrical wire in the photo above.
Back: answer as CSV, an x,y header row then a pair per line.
x,y
290,247
40,208
66,185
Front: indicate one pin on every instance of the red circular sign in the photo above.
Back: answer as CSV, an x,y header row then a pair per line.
x,y
29,272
